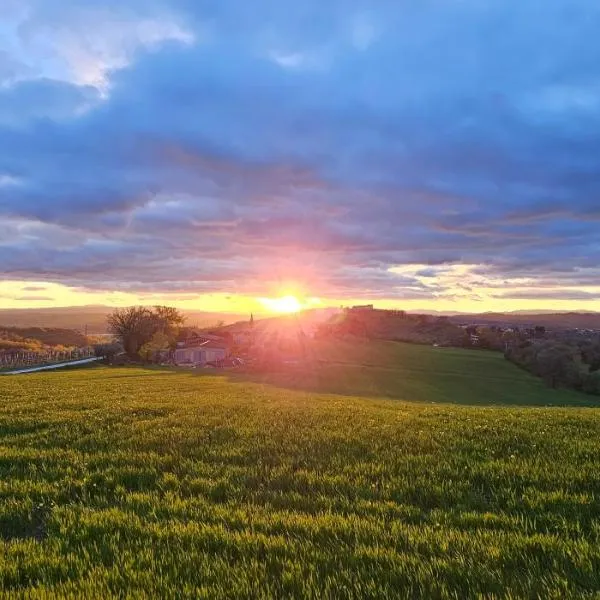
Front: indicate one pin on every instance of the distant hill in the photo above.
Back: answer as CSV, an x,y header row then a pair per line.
x,y
34,338
567,320
73,317
305,320
93,318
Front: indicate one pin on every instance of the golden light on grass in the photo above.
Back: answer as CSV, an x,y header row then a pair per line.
x,y
284,304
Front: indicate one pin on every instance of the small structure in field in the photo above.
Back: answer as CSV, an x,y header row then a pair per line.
x,y
360,308
199,350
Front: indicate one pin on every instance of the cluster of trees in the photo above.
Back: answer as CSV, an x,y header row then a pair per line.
x,y
427,329
559,364
395,325
145,332
497,338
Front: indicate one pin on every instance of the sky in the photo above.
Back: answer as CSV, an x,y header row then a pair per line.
x,y
419,154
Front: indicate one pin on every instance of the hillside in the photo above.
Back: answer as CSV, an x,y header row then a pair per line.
x,y
383,470
419,373
569,320
394,325
93,318
32,338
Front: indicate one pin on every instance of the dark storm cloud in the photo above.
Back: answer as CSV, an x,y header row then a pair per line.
x,y
220,144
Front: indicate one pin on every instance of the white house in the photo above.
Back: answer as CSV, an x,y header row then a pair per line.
x,y
199,351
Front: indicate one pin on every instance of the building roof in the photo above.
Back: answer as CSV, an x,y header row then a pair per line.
x,y
198,342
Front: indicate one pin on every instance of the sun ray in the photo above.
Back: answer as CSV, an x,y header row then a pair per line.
x,y
284,304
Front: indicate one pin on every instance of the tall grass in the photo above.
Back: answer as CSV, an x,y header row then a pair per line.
x,y
160,484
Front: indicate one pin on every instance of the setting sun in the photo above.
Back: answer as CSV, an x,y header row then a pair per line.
x,y
285,304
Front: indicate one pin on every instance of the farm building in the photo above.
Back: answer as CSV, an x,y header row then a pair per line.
x,y
200,350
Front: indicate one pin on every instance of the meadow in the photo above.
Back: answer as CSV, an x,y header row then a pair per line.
x,y
383,471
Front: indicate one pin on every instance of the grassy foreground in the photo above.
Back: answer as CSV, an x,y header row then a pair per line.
x,y
167,484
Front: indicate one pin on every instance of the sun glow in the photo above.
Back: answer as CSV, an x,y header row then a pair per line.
x,y
284,304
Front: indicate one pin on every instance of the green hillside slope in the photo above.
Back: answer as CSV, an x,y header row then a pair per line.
x,y
421,373
182,485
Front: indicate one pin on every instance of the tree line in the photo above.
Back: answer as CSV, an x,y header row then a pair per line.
x,y
561,364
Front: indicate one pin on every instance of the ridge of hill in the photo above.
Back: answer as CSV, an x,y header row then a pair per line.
x,y
93,318
33,338
559,320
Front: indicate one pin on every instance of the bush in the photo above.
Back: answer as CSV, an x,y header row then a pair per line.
x,y
108,350
591,383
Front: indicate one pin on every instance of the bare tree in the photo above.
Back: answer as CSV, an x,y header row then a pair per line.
x,y
136,325
133,326
168,320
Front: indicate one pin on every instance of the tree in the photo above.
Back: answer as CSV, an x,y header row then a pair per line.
x,y
556,364
591,383
136,325
168,319
590,354
133,326
159,342
490,338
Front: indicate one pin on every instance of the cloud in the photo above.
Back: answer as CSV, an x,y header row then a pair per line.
x,y
82,44
556,294
28,101
193,148
34,288
33,298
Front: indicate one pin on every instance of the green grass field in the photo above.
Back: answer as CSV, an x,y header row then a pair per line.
x,y
392,471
